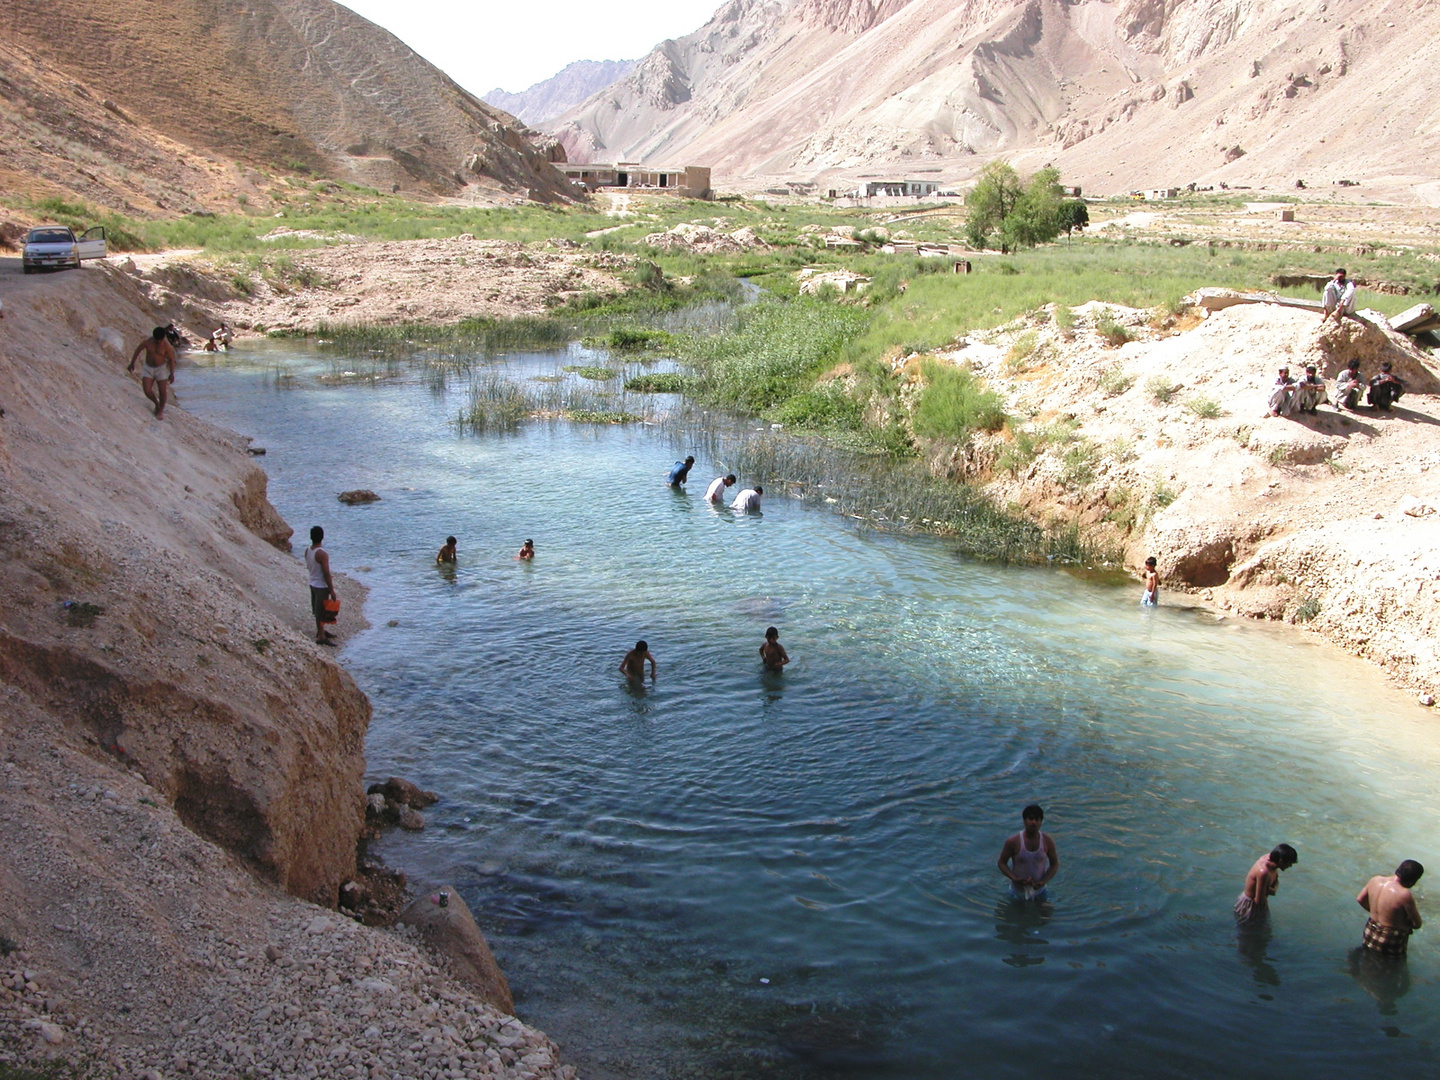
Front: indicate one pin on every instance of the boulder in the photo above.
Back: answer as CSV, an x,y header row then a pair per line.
x,y
358,497
447,926
411,819
405,793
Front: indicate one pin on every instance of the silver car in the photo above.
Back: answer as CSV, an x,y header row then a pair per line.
x,y
56,247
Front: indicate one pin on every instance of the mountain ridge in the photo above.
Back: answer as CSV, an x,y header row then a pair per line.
x,y
1139,93
567,88
288,86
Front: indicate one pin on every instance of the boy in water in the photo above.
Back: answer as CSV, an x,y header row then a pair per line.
x,y
772,653
634,663
1253,903
1029,859
527,550
680,472
1151,597
1393,914
447,553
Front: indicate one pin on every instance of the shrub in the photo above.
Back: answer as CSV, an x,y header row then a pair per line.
x,y
1111,332
1021,349
660,382
955,404
1018,453
1161,389
1163,496
1064,318
1078,464
826,406
1307,609
1114,381
1205,408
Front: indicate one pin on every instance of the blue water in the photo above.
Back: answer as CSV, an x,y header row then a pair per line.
x,y
729,873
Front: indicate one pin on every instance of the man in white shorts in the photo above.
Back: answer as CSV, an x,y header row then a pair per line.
x,y
158,370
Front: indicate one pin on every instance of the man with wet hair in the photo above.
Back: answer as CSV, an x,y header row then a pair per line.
x,y
1029,859
748,500
715,493
158,370
1393,914
634,663
1253,904
447,553
680,472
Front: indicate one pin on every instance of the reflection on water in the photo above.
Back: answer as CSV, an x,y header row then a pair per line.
x,y
727,872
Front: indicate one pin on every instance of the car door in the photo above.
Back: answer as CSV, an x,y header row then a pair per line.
x,y
92,243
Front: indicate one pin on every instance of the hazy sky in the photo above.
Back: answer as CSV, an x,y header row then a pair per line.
x,y
512,45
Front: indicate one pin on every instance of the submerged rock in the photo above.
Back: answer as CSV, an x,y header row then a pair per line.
x,y
358,496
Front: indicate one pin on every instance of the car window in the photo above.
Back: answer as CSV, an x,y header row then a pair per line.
x,y
51,236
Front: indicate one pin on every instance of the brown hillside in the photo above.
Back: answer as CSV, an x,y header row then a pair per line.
x,y
1139,93
92,93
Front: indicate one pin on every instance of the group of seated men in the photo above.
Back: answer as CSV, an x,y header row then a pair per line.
x,y
1289,396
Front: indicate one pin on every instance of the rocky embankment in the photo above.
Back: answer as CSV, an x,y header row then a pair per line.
x,y
423,281
1325,520
180,765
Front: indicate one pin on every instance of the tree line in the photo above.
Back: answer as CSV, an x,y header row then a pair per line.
x,y
1005,211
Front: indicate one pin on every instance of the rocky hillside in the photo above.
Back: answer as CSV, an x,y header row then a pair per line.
x,y
564,90
163,106
1135,93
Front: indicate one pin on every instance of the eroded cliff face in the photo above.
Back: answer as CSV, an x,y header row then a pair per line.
x,y
147,602
1140,93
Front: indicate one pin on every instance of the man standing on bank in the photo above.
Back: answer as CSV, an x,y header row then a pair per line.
x,y
158,370
1029,859
1393,914
322,585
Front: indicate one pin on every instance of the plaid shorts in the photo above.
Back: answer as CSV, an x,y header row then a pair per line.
x,y
1386,940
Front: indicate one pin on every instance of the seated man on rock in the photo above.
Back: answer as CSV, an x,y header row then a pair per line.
x,y
1385,388
1310,391
1282,394
1349,386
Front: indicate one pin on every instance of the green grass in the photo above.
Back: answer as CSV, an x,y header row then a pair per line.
x,y
776,348
828,405
594,372
1307,609
1020,351
955,404
661,382
1112,332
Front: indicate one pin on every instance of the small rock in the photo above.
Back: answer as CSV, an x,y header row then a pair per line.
x,y
272,953
318,925
151,1074
403,791
410,819
51,1033
358,496
1427,700
376,986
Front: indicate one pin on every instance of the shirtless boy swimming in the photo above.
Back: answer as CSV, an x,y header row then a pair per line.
x,y
772,653
1253,904
634,663
1393,914
527,550
447,553
158,371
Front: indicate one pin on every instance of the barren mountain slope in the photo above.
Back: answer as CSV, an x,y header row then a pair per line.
x,y
108,90
1135,93
563,90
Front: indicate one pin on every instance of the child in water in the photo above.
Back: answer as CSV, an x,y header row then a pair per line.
x,y
772,653
447,553
634,663
527,550
1151,598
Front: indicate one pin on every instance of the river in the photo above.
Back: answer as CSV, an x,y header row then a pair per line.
x,y
730,874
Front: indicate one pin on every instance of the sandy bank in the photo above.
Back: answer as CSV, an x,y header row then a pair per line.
x,y
1164,443
176,754
427,281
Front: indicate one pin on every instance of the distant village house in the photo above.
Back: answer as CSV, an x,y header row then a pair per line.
x,y
906,189
691,181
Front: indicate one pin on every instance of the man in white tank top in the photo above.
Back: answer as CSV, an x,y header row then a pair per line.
x,y
322,585
1028,859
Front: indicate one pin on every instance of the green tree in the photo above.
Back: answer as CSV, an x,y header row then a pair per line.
x,y
1036,216
1073,215
990,202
